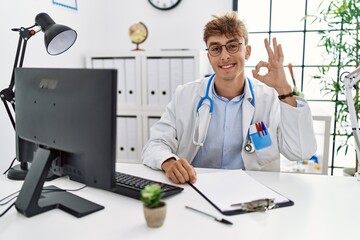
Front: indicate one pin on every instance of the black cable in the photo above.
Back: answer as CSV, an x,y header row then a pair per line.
x,y
44,190
3,213
3,204
63,190
8,196
12,163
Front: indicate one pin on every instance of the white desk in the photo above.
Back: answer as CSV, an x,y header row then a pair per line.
x,y
325,208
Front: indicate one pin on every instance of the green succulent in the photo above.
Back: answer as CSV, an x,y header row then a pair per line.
x,y
151,195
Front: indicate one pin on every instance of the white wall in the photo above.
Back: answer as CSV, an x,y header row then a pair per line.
x,y
102,27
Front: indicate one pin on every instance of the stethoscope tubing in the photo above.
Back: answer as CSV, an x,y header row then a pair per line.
x,y
206,97
201,102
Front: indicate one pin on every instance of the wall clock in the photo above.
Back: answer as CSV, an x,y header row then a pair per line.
x,y
164,4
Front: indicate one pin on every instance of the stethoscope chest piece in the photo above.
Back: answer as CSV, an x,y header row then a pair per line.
x,y
249,147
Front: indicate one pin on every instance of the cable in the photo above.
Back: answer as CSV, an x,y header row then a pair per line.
x,y
63,190
44,190
10,166
1,200
3,213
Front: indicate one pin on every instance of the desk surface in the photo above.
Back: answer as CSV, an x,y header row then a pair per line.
x,y
325,208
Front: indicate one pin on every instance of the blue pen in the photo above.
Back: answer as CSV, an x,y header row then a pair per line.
x,y
264,127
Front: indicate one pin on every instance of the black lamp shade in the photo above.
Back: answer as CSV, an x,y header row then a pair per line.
x,y
58,38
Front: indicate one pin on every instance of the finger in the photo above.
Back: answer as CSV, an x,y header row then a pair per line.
x,y
275,47
256,71
260,65
172,177
256,74
281,53
180,177
268,49
186,169
190,172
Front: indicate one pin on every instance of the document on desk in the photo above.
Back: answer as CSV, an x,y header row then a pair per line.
x,y
225,188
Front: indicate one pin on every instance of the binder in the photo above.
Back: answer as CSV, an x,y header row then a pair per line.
x,y
121,139
152,81
225,188
130,78
188,70
176,74
119,64
108,63
151,122
164,81
97,63
132,139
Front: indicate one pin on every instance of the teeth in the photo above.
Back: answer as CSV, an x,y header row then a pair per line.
x,y
227,66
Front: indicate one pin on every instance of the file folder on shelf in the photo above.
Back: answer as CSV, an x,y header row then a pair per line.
x,y
97,63
152,81
119,65
130,78
164,81
132,139
121,139
176,74
188,70
226,188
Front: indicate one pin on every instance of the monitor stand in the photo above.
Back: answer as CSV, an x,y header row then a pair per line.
x,y
33,199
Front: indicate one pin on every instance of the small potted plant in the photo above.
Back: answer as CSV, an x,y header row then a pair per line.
x,y
154,208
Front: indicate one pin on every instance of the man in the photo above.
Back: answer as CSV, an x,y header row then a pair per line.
x,y
228,120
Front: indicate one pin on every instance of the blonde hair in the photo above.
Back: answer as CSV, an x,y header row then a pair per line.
x,y
228,24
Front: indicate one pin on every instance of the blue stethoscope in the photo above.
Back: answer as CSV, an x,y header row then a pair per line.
x,y
201,126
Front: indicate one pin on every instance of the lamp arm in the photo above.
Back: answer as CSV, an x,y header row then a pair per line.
x,y
350,82
7,95
24,35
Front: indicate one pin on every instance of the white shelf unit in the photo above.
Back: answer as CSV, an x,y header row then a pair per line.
x,y
321,123
146,81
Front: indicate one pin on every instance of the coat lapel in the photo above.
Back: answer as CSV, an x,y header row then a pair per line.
x,y
248,110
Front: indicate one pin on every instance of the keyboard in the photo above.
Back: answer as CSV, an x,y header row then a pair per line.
x,y
131,186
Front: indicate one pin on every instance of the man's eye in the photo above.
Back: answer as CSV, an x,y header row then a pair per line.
x,y
232,46
215,49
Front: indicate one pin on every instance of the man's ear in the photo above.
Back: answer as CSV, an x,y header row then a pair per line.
x,y
247,52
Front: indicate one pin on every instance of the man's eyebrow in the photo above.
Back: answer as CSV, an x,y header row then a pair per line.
x,y
214,43
217,43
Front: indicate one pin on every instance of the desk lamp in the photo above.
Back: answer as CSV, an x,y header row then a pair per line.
x,y
350,82
58,39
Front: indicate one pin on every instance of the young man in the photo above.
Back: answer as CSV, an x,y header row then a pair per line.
x,y
229,120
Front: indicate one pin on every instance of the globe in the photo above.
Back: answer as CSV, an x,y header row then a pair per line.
x,y
138,33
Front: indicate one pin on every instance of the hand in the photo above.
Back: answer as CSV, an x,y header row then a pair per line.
x,y
179,171
275,77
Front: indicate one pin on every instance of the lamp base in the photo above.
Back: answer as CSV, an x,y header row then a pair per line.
x,y
19,172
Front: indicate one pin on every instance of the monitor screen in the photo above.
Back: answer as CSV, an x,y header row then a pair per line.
x,y
66,122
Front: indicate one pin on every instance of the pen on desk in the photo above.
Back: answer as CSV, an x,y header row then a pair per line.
x,y
222,220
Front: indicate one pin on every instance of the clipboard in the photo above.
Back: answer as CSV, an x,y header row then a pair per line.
x,y
225,188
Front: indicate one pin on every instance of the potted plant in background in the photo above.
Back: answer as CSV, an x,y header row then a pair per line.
x,y
341,46
154,208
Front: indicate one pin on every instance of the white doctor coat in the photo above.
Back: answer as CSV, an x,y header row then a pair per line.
x,y
290,128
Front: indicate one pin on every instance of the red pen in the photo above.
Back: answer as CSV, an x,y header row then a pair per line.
x,y
258,128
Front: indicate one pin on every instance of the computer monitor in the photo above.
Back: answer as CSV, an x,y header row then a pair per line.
x,y
66,123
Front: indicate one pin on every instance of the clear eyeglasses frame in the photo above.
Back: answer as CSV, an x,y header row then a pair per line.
x,y
231,47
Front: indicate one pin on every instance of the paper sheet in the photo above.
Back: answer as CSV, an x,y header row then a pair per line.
x,y
234,186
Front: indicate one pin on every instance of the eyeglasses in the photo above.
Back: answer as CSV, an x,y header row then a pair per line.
x,y
231,47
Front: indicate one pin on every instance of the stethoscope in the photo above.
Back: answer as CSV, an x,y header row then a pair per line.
x,y
201,127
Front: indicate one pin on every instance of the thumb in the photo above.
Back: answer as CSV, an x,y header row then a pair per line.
x,y
257,75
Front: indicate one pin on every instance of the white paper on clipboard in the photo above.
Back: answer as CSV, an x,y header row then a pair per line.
x,y
234,186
